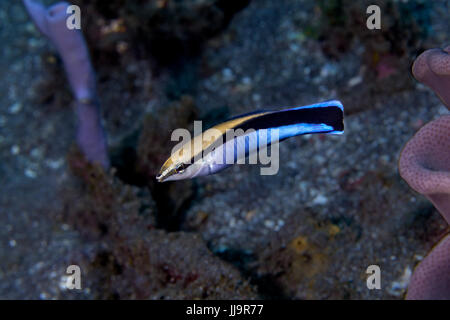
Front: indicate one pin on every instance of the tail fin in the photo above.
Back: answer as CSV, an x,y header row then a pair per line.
x,y
324,117
330,113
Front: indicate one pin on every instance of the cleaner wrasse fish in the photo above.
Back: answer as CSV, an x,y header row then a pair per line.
x,y
216,149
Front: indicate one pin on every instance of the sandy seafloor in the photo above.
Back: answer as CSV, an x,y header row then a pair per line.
x,y
336,206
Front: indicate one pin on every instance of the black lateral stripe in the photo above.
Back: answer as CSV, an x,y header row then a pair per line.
x,y
332,116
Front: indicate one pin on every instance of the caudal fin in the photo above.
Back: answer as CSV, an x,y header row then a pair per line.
x,y
325,117
329,114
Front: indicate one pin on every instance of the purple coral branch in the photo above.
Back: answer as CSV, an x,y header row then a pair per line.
x,y
431,277
425,165
72,48
433,69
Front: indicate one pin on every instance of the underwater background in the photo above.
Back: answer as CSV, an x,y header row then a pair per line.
x,y
336,206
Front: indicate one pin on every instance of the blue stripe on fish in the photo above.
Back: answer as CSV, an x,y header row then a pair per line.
x,y
304,128
336,103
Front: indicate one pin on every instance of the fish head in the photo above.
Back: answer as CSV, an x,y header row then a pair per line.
x,y
180,171
180,166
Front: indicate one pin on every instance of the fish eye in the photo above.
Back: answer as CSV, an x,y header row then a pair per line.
x,y
180,168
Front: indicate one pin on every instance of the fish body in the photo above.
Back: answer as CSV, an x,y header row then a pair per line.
x,y
216,148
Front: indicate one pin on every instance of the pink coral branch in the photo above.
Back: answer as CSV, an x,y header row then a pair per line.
x,y
431,278
72,48
425,165
433,69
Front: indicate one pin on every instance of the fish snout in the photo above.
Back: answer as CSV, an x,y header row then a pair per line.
x,y
160,177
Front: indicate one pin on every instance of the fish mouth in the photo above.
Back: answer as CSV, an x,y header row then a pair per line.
x,y
161,177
